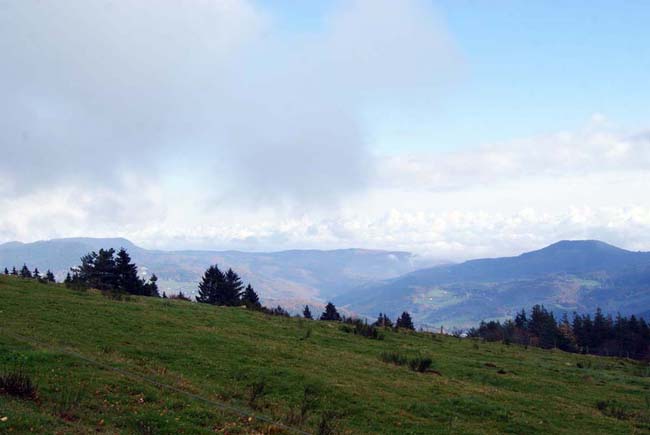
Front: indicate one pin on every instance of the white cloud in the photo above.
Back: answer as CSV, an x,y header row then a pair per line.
x,y
590,150
438,209
207,126
213,91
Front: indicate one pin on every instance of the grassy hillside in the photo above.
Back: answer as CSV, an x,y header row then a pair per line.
x,y
226,354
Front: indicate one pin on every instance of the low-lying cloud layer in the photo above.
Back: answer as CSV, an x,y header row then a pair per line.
x,y
430,210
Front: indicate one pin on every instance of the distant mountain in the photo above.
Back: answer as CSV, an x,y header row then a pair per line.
x,y
565,276
290,278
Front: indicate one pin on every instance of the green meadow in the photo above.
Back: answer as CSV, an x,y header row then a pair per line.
x,y
159,366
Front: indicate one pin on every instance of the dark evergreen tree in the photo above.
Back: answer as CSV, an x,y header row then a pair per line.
x,y
14,272
602,335
6,271
384,321
106,275
211,286
405,321
97,270
164,296
126,275
330,313
521,321
306,313
36,274
232,289
49,277
151,287
601,327
277,311
24,272
250,299
105,271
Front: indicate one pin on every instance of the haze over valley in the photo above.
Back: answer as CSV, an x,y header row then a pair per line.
x,y
567,276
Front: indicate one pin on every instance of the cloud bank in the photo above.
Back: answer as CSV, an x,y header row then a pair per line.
x,y
204,124
211,92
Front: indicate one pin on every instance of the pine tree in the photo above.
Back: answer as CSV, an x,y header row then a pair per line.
x,y
14,272
405,321
151,287
164,296
97,270
306,313
24,272
250,298
36,274
232,290
330,313
211,286
6,271
278,311
68,280
126,274
600,329
521,321
105,270
566,338
384,321
49,277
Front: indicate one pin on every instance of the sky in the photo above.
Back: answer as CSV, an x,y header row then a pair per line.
x,y
452,129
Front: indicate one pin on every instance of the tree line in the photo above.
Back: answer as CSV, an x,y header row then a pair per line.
x,y
599,334
109,271
25,273
115,272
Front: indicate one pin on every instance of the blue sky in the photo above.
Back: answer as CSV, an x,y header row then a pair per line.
x,y
528,68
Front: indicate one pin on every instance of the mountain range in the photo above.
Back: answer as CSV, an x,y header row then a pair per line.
x,y
290,278
565,276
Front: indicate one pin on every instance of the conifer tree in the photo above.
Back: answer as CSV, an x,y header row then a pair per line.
x,y
6,271
49,277
277,311
250,298
330,313
97,270
211,286
384,321
232,289
14,272
164,296
521,321
126,274
151,287
405,321
36,274
306,313
24,272
68,280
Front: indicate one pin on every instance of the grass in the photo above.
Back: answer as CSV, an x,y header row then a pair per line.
x,y
307,374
